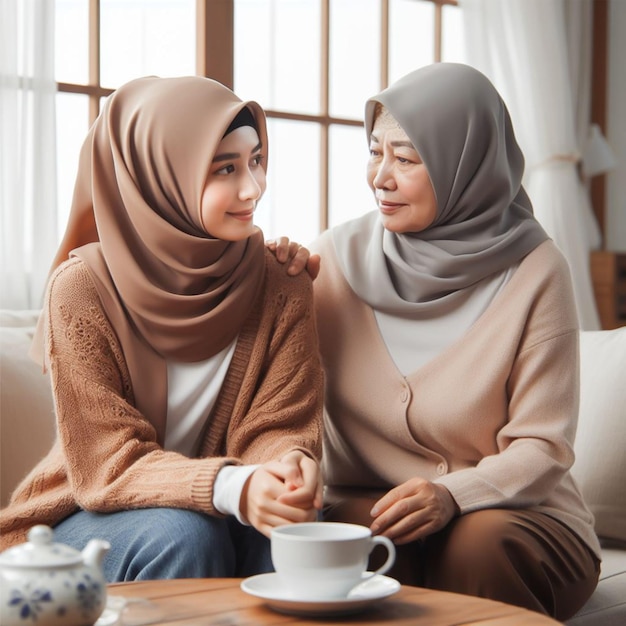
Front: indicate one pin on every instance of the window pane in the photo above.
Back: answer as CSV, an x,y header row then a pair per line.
x,y
253,50
350,196
146,37
277,53
354,55
290,205
411,36
72,126
71,60
453,40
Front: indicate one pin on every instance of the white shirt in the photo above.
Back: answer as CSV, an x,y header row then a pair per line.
x,y
413,343
192,390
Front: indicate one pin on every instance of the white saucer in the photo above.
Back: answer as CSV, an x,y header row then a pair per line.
x,y
268,587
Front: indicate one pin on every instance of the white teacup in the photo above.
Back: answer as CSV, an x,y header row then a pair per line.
x,y
325,560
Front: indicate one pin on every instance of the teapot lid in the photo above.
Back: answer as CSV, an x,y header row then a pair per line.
x,y
40,551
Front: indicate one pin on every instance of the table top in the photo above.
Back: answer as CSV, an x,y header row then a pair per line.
x,y
221,602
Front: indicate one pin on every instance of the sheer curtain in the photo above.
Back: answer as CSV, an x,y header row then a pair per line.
x,y
522,45
27,151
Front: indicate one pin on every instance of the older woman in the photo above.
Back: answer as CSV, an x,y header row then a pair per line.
x,y
449,338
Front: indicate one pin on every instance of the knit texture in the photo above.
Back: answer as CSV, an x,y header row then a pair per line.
x,y
107,456
492,417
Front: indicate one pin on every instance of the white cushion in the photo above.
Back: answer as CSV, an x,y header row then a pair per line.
x,y
607,605
18,318
27,422
600,466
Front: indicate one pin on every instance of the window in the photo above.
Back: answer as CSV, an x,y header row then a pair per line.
x,y
311,64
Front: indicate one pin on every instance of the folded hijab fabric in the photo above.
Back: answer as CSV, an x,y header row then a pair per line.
x,y
462,131
183,292
170,290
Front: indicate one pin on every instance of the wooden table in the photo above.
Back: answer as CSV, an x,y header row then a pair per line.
x,y
221,602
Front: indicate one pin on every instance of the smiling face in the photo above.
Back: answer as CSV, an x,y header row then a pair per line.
x,y
235,183
400,182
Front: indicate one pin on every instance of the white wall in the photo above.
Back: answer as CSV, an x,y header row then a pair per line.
x,y
616,128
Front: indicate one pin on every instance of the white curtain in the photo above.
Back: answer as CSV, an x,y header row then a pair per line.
x,y
579,31
28,215
524,47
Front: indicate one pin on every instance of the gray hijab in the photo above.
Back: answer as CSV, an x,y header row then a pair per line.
x,y
460,127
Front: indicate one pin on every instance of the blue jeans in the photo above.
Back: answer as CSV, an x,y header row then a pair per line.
x,y
149,544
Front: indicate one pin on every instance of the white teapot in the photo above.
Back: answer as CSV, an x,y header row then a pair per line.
x,y
52,584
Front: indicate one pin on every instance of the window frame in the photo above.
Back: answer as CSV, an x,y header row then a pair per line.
x,y
215,58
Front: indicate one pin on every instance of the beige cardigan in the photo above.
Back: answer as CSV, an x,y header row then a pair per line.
x,y
108,456
492,418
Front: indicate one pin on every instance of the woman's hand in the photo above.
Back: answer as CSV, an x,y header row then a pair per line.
x,y
298,256
413,510
282,492
304,481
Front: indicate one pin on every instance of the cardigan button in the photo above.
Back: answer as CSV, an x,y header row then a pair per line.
x,y
404,396
441,469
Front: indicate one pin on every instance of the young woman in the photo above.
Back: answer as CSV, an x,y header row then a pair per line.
x,y
449,338
184,362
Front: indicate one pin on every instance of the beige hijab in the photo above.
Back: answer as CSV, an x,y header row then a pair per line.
x,y
461,128
170,289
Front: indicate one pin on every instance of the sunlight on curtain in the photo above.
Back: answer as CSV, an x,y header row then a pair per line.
x,y
277,53
27,154
522,46
291,203
146,37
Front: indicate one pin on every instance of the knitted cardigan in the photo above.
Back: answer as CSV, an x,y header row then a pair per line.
x,y
109,457
492,417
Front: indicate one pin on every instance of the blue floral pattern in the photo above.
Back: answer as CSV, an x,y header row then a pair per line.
x,y
38,603
89,594
30,605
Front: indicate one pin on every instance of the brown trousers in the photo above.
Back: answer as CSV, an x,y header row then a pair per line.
x,y
511,555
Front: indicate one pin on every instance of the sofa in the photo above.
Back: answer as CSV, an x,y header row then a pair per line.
x,y
27,430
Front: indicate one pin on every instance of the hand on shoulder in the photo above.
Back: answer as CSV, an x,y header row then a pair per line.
x,y
298,256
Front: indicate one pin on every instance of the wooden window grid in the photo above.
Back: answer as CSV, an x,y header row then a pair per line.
x,y
215,34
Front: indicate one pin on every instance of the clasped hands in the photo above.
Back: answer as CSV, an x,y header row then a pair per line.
x,y
290,490
282,492
406,513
